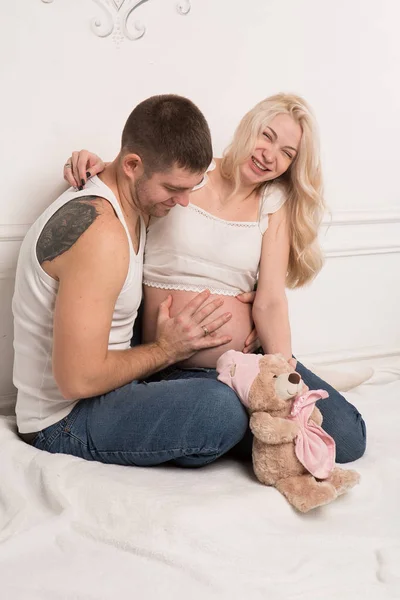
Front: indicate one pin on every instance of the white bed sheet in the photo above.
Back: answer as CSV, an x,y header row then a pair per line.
x,y
77,530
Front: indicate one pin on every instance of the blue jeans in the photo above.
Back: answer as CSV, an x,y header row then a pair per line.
x,y
189,423
185,417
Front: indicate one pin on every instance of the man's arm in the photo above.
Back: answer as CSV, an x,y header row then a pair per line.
x,y
84,246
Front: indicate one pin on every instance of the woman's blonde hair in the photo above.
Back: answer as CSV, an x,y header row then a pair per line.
x,y
302,181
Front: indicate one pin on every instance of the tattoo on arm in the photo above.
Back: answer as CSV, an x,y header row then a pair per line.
x,y
65,227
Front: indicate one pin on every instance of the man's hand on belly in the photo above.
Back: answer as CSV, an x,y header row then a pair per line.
x,y
186,333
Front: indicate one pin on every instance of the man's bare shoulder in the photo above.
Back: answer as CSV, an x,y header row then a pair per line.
x,y
88,218
70,222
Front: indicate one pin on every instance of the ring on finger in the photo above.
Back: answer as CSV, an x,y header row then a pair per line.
x,y
68,165
206,332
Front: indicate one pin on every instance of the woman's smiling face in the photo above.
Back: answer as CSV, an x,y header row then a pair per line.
x,y
275,150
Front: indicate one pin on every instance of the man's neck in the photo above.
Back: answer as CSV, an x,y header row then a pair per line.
x,y
112,179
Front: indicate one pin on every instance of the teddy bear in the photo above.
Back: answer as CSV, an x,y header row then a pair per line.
x,y
290,449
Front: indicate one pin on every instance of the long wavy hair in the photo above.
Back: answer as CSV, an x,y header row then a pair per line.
x,y
302,182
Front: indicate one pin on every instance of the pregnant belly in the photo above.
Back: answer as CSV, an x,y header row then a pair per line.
x,y
238,328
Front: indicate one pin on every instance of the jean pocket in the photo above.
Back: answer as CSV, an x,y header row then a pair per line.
x,y
48,436
72,416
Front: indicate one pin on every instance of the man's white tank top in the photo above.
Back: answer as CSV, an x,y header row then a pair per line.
x,y
39,401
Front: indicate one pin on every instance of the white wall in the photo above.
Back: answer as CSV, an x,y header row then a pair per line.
x,y
64,88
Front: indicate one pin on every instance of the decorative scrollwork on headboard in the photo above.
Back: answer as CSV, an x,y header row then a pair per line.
x,y
184,7
115,16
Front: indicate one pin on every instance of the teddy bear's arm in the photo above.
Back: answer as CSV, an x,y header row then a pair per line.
x,y
273,430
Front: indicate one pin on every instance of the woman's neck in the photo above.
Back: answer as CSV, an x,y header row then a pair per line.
x,y
227,187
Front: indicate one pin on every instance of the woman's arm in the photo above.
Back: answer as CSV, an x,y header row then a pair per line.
x,y
270,309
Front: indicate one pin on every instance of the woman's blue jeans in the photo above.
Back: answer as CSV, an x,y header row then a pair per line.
x,y
185,417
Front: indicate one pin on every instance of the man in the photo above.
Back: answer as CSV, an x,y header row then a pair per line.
x,y
78,289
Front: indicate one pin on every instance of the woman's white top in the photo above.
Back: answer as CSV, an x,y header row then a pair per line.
x,y
192,250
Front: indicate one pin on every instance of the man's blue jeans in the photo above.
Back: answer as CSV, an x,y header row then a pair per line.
x,y
185,417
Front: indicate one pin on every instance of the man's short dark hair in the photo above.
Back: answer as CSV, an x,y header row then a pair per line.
x,y
168,130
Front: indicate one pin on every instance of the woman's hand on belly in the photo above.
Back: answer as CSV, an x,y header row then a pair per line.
x,y
252,343
237,328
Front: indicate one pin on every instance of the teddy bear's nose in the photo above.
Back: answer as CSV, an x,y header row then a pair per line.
x,y
294,378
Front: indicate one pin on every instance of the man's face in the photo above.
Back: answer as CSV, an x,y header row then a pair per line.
x,y
157,194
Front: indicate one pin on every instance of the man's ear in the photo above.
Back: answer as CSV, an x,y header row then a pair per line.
x,y
132,165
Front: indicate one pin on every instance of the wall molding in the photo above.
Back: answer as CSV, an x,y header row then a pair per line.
x,y
16,233
362,217
6,274
344,243
9,233
115,17
370,250
13,233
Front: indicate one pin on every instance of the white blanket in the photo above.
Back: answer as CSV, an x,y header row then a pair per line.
x,y
77,530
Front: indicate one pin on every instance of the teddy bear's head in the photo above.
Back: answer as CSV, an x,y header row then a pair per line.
x,y
274,387
263,383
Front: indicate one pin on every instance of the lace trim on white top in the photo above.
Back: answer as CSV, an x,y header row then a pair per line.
x,y
191,288
272,198
204,213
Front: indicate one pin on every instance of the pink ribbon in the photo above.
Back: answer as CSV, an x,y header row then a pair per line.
x,y
314,448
